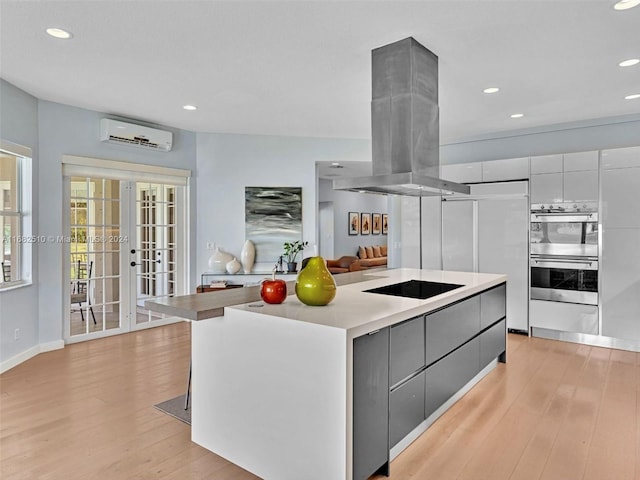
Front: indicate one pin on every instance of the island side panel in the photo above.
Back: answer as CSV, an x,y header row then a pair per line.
x,y
269,394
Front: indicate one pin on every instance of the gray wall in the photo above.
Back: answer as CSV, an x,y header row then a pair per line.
x,y
66,130
227,163
19,307
343,203
53,130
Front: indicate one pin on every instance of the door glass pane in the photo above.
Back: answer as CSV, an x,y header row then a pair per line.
x,y
156,246
94,255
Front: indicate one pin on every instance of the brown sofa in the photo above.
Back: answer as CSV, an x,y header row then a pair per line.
x,y
373,256
344,264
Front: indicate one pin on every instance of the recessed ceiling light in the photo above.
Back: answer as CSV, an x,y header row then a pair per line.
x,y
517,115
630,62
190,107
632,97
335,164
59,33
491,90
626,4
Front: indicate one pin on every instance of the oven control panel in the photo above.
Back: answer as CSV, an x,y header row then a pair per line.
x,y
585,207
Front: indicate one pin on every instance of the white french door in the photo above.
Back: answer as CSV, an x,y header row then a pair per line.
x,y
126,244
154,269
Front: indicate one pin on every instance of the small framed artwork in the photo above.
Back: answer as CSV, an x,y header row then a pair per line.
x,y
354,223
385,223
376,223
365,223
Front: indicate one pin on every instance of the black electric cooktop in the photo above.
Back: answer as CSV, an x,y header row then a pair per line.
x,y
415,289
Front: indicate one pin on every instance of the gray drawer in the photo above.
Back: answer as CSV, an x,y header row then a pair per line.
x,y
449,328
493,305
370,403
406,349
492,343
450,374
406,408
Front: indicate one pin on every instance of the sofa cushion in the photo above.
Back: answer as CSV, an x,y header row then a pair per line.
x,y
344,264
369,251
362,253
376,251
373,262
383,250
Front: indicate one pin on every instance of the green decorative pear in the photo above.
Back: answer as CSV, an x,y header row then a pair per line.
x,y
315,285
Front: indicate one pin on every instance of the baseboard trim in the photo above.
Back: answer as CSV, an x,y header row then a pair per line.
x,y
30,353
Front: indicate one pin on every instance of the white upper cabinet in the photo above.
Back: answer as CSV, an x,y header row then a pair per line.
x,y
462,172
546,188
572,177
546,164
502,170
621,158
580,186
576,162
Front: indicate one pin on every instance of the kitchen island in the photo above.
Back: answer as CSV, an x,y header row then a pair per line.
x,y
291,391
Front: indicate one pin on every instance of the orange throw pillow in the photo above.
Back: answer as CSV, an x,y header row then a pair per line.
x,y
376,251
369,251
383,250
362,253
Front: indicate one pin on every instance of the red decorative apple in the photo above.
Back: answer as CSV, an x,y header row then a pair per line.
x,y
273,290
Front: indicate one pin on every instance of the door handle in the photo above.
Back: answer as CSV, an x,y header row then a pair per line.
x,y
133,264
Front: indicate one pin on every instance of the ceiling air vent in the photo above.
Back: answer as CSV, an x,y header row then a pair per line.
x,y
115,131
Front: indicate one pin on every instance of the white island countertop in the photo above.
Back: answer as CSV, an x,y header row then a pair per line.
x,y
360,312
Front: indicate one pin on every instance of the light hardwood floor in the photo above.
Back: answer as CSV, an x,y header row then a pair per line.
x,y
554,411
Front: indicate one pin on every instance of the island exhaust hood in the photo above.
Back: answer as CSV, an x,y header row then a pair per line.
x,y
405,133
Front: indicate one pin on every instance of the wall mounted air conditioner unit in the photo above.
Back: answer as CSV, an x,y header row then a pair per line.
x,y
116,131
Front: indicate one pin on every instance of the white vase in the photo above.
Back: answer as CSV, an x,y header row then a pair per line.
x,y
233,266
248,256
218,261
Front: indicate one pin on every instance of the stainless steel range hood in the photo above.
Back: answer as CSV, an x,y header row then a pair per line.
x,y
404,125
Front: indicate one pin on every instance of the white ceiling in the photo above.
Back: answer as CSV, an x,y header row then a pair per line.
x,y
302,68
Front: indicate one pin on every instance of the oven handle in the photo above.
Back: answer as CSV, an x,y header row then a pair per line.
x,y
567,214
554,263
564,217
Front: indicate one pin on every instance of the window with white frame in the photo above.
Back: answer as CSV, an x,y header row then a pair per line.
x,y
15,243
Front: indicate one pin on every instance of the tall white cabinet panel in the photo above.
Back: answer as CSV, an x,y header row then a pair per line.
x,y
458,245
503,233
502,170
580,186
546,164
620,283
546,188
620,193
620,265
462,172
576,162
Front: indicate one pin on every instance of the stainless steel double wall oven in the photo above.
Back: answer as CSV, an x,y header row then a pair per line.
x,y
564,252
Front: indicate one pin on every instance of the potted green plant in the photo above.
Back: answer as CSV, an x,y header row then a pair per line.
x,y
291,251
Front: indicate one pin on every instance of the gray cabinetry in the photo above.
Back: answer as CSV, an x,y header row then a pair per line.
x,y
370,404
407,408
451,327
492,305
402,374
406,349
446,377
492,343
